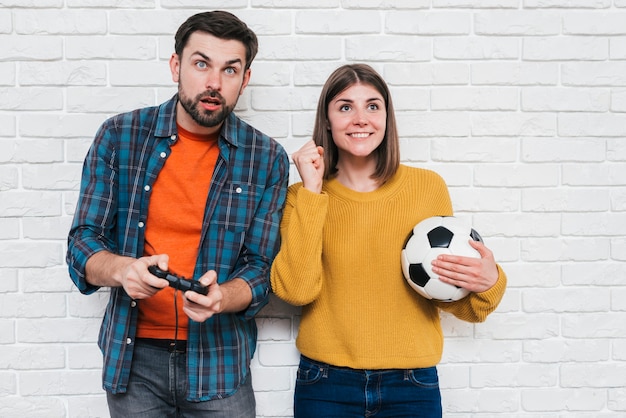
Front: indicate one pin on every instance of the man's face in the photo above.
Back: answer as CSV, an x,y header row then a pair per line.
x,y
211,77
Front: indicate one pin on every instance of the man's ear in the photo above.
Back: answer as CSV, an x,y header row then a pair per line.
x,y
246,80
175,67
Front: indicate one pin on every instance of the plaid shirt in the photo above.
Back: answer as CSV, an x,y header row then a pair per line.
x,y
240,236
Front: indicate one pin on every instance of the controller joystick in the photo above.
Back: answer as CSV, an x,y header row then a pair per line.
x,y
179,283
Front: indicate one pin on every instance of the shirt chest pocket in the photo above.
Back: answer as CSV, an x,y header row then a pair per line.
x,y
236,206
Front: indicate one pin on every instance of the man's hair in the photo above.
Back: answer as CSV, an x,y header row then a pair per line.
x,y
221,24
388,152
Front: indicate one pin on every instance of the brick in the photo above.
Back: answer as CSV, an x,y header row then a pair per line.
x,y
617,48
593,274
565,99
7,74
111,48
477,4
510,175
120,4
594,224
55,383
334,22
31,99
599,23
565,200
388,48
618,100
62,74
427,23
565,249
483,150
474,48
472,98
285,99
22,204
59,126
55,22
565,48
30,254
513,124
593,74
30,48
426,74
379,4
594,325
32,357
8,177
524,375
554,399
591,125
594,175
565,351
39,305
516,74
433,124
518,23
32,406
574,4
58,331
566,300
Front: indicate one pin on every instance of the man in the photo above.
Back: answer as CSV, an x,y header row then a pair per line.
x,y
187,187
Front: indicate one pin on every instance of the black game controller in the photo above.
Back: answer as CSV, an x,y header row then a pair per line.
x,y
179,283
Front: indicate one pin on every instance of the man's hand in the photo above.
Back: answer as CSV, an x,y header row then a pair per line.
x,y
108,269
232,296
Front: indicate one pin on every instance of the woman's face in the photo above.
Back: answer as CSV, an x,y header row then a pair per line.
x,y
358,120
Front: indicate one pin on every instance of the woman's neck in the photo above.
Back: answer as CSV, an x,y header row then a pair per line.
x,y
356,174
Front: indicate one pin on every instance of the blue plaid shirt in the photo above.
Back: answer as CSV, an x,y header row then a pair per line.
x,y
240,236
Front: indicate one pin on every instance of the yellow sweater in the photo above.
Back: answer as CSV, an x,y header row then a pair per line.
x,y
340,260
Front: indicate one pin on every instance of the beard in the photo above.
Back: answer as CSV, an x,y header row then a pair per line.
x,y
202,117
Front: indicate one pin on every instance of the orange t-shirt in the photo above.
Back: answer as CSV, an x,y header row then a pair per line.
x,y
173,227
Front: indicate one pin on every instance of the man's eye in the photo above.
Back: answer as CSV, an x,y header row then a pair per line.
x,y
201,64
230,71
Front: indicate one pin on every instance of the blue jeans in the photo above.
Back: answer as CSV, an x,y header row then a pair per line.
x,y
328,391
158,387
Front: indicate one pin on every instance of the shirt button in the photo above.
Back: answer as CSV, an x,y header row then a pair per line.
x,y
163,155
141,224
173,137
133,304
146,188
128,341
238,189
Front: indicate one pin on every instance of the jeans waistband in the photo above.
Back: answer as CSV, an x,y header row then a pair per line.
x,y
172,346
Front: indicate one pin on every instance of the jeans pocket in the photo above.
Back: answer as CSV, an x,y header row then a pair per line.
x,y
309,372
425,378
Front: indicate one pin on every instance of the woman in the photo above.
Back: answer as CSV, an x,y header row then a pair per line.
x,y
369,343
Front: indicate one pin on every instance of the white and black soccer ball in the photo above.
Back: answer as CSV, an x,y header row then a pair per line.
x,y
428,239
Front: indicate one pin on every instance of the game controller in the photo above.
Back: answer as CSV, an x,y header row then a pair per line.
x,y
179,283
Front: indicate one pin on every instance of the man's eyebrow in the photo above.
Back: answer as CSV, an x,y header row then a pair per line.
x,y
208,59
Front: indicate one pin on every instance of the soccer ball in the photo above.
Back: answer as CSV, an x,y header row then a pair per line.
x,y
428,239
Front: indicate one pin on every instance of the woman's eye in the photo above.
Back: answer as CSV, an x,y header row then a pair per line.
x,y
373,106
344,108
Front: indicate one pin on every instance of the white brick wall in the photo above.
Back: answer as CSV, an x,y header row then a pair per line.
x,y
519,104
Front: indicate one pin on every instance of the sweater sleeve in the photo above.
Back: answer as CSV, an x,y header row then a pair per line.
x,y
477,306
296,275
